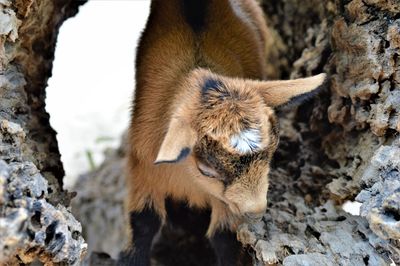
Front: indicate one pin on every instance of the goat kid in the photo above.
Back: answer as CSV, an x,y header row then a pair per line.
x,y
203,129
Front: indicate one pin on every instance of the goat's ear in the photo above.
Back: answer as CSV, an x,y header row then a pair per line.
x,y
288,92
177,143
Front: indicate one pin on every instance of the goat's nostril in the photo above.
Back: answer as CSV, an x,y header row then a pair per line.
x,y
253,216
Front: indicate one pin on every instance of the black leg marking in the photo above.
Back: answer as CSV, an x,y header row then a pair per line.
x,y
226,248
145,225
192,220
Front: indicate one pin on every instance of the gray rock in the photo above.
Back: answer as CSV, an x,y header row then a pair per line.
x,y
312,259
35,223
381,198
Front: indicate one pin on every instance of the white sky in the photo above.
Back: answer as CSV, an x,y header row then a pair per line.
x,y
90,92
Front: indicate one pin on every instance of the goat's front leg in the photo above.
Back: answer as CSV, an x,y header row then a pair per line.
x,y
226,248
144,225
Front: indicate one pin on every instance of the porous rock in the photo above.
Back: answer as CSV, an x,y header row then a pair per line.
x,y
35,222
103,215
381,197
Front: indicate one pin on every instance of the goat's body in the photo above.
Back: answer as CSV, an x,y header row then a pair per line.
x,y
225,36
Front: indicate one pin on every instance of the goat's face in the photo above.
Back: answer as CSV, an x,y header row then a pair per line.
x,y
238,135
226,132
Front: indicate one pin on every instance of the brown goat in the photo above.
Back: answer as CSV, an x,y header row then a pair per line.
x,y
203,129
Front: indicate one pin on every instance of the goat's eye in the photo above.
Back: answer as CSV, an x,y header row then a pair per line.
x,y
207,171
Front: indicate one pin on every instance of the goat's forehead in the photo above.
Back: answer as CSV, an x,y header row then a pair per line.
x,y
246,141
242,138
236,118
218,97
229,109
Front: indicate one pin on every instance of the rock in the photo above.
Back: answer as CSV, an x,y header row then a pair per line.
x,y
35,222
99,205
47,232
381,197
312,259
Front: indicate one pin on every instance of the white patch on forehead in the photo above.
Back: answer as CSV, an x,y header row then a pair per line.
x,y
249,140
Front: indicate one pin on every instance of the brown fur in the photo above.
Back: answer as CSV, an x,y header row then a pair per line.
x,y
173,111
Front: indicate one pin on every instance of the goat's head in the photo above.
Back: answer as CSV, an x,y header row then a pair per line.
x,y
226,131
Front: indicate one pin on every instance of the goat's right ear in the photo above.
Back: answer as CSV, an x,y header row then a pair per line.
x,y
177,143
286,92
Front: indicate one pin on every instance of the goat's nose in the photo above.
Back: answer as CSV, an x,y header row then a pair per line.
x,y
253,216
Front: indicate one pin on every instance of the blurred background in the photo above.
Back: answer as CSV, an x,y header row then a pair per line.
x,y
90,92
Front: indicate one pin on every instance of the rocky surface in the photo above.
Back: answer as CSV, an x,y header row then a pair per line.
x,y
297,235
31,226
35,223
381,199
347,139
99,204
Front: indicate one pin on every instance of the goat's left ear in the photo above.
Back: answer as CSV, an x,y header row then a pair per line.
x,y
283,92
177,143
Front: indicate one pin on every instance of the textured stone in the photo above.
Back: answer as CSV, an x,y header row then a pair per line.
x,y
35,223
99,205
381,197
294,236
47,232
313,259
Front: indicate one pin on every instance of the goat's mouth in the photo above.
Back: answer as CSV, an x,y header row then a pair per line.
x,y
247,217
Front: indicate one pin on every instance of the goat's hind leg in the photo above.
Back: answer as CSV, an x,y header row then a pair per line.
x,y
144,225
